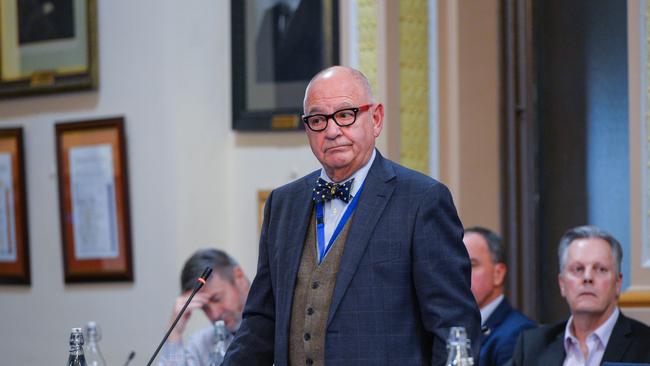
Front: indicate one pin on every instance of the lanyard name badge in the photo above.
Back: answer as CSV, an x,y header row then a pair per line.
x,y
320,225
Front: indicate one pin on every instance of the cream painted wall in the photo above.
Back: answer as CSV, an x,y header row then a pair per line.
x,y
165,67
469,108
636,298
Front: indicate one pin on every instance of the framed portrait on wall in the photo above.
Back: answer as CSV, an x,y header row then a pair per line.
x,y
14,242
47,46
277,46
94,201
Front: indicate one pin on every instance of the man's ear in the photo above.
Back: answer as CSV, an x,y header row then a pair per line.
x,y
500,271
378,119
560,282
237,273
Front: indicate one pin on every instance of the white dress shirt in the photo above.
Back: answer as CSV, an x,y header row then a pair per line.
x,y
334,209
488,309
193,352
596,343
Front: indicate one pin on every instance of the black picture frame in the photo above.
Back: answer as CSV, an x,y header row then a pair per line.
x,y
276,48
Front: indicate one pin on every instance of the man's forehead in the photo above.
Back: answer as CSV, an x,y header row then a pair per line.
x,y
475,241
330,107
335,81
218,281
589,250
333,89
589,262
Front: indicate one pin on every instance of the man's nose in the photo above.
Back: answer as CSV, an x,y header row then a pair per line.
x,y
589,275
216,310
333,129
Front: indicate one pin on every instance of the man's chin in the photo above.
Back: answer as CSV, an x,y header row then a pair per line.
x,y
337,161
232,324
589,308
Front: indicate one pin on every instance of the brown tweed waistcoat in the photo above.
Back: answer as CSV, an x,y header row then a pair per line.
x,y
312,298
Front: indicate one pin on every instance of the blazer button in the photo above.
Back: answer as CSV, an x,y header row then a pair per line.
x,y
310,311
307,336
315,285
309,361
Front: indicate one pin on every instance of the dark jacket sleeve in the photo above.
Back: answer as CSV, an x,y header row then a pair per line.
x,y
505,346
518,354
254,342
441,273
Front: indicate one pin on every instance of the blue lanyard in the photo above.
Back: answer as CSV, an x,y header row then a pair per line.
x,y
320,225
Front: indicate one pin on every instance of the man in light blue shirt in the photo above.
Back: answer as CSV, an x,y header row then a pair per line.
x,y
222,298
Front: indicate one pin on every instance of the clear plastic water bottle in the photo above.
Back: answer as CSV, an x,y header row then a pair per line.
x,y
93,355
458,348
76,357
219,349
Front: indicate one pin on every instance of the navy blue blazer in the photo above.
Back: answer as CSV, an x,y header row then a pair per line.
x,y
544,346
403,281
500,334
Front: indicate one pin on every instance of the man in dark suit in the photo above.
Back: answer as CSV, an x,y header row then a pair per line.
x,y
501,323
361,262
290,44
590,281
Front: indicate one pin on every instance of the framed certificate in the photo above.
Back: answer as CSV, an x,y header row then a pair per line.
x,y
94,201
14,246
47,46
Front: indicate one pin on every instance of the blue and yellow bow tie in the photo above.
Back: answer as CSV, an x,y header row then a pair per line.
x,y
325,191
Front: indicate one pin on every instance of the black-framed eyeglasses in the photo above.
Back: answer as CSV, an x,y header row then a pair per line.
x,y
342,117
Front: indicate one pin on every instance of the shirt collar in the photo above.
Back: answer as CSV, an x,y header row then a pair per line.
x,y
603,332
488,309
359,176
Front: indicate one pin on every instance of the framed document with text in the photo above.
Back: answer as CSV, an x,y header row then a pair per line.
x,y
14,243
94,201
47,46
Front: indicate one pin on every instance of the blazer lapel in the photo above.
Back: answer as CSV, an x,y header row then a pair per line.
x,y
493,321
553,354
619,340
301,208
377,190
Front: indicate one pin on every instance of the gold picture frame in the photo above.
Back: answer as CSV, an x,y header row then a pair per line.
x,y
94,201
47,46
14,238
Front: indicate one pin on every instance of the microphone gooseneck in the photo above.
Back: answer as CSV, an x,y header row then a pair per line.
x,y
130,358
199,283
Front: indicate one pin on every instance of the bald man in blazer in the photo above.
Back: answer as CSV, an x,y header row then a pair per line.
x,y
395,279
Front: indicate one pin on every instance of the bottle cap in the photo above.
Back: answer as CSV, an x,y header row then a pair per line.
x,y
220,329
76,337
457,335
93,332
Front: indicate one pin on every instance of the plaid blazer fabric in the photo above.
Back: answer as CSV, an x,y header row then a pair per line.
x,y
403,280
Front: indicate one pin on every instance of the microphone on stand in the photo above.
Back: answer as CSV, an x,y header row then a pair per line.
x,y
130,358
199,283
